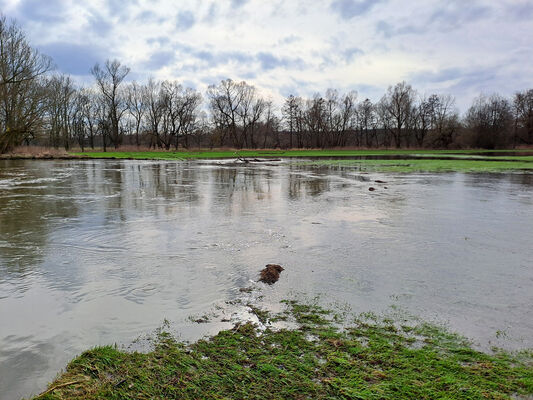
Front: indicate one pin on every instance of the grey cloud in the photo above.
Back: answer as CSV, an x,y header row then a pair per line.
x,y
224,57
185,20
520,11
268,61
121,8
461,80
350,54
210,57
99,25
388,30
297,87
238,3
444,75
249,75
148,16
289,39
159,59
211,13
71,58
347,9
445,18
385,29
40,11
161,40
458,13
479,79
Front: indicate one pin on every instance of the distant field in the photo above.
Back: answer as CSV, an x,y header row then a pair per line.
x,y
392,161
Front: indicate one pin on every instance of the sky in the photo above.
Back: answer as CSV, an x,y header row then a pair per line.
x,y
299,47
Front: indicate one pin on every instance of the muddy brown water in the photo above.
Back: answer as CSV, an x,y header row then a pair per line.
x,y
100,252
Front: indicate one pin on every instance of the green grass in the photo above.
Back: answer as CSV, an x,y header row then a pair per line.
x,y
370,358
217,154
419,160
429,165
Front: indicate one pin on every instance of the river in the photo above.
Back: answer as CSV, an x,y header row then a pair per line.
x,y
98,252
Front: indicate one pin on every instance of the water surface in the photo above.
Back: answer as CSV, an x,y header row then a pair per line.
x,y
100,252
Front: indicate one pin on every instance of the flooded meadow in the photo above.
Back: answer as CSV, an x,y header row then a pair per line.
x,y
96,252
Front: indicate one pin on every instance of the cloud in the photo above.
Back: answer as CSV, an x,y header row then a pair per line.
x,y
438,76
238,3
365,44
100,25
160,59
520,11
348,9
389,31
148,16
75,59
457,13
38,11
350,54
185,20
289,40
211,13
269,61
161,40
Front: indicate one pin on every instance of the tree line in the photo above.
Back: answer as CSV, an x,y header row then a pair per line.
x,y
40,106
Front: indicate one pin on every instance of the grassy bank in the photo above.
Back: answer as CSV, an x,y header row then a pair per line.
x,y
220,154
370,358
415,160
432,165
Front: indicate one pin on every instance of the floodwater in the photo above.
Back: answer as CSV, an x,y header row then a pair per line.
x,y
101,252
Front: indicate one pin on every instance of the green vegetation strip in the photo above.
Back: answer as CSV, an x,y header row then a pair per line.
x,y
429,165
216,154
416,160
369,358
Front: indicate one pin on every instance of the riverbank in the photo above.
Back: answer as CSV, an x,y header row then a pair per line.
x,y
328,355
221,154
365,160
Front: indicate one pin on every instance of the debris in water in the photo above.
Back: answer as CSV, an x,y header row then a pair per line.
x,y
378,181
270,274
371,189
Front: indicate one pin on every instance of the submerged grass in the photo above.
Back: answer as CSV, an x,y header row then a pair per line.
x,y
415,160
431,165
369,358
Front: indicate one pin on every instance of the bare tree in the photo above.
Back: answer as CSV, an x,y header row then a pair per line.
x,y
289,113
523,111
445,124
224,100
189,114
236,110
108,80
136,101
22,91
489,122
347,119
367,122
60,106
154,113
314,118
397,108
